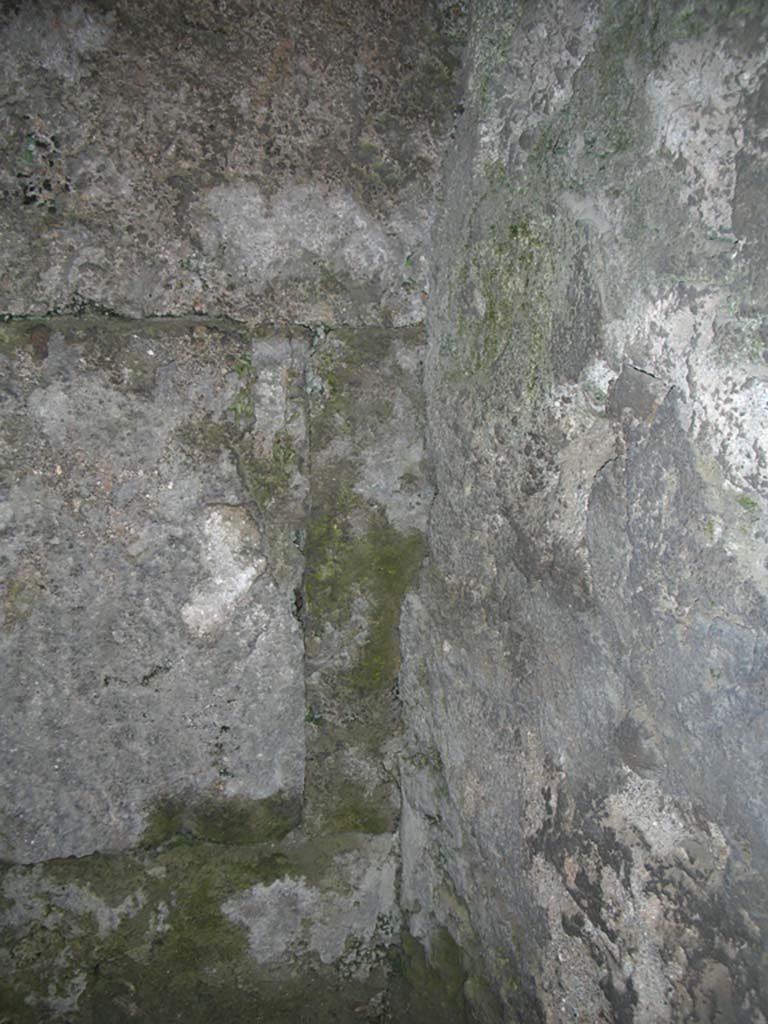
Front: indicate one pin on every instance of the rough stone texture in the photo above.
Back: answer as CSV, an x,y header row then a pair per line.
x,y
256,159
585,663
176,933
165,484
209,527
149,646
195,198
369,496
349,925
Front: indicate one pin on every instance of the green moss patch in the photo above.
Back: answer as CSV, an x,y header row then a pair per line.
x,y
205,435
18,598
353,810
353,552
137,937
506,288
218,819
266,479
430,986
359,375
359,567
141,936
748,504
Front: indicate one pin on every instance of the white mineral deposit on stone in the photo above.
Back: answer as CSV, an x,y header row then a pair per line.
x,y
233,572
289,912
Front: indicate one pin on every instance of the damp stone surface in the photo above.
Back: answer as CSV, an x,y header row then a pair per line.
x,y
383,547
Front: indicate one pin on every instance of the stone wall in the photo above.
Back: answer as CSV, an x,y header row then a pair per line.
x,y
223,431
207,538
214,497
584,784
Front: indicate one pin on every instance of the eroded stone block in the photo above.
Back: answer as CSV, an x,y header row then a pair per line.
x,y
152,661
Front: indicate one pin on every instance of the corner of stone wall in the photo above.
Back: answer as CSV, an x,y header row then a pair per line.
x,y
582,660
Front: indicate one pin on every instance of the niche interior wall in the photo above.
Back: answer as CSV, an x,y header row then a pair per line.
x,y
214,497
384,405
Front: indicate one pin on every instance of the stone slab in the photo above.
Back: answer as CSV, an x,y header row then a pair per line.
x,y
151,657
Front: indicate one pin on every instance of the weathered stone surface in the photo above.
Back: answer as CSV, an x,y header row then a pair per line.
x,y
165,481
584,773
151,658
369,495
263,160
348,920
173,934
216,165
209,528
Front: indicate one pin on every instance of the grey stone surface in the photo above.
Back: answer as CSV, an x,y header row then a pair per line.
x,y
261,160
149,645
197,517
207,538
584,789
349,920
210,527
370,491
174,177
194,931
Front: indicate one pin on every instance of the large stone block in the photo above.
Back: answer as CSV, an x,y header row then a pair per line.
x,y
265,161
151,657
